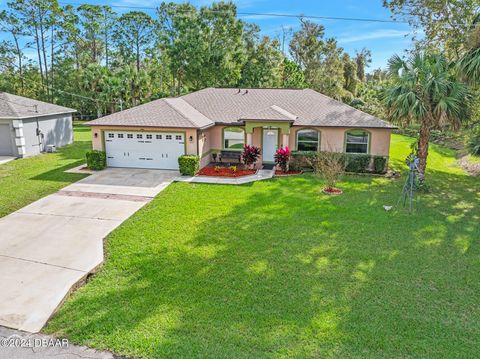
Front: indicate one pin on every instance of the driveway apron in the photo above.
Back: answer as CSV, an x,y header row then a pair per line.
x,y
51,245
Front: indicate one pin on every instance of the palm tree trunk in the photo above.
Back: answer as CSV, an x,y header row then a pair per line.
x,y
422,151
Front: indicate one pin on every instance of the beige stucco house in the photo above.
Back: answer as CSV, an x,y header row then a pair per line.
x,y
213,120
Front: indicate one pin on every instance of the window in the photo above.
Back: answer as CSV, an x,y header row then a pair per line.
x,y
308,140
158,137
168,137
111,135
139,136
129,135
233,138
357,141
120,135
178,137
149,137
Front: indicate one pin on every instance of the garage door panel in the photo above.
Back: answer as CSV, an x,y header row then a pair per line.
x,y
5,140
144,150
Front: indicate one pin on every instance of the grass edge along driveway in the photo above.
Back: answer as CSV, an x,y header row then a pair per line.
x,y
275,269
26,180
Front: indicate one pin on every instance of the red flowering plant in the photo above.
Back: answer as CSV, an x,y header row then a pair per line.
x,y
282,158
250,155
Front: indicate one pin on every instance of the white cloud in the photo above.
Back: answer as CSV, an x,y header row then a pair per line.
x,y
373,35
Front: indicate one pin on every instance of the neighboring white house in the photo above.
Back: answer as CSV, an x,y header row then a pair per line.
x,y
28,126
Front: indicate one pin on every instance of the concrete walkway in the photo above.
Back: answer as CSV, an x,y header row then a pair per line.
x,y
259,176
21,345
50,245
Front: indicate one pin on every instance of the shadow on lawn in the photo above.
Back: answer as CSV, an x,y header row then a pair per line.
x,y
74,155
288,272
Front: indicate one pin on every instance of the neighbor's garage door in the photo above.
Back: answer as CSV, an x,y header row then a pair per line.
x,y
158,150
5,141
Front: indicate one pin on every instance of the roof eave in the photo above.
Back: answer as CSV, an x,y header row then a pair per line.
x,y
36,115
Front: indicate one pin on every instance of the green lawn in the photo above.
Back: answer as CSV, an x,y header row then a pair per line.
x,y
23,181
276,269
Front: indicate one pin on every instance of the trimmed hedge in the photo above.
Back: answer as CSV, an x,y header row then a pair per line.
x,y
380,164
356,163
298,160
96,160
189,165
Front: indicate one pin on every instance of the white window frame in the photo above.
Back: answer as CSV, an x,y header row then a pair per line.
x,y
358,143
225,129
309,130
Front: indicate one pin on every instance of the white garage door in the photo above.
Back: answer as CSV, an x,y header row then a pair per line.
x,y
158,150
5,141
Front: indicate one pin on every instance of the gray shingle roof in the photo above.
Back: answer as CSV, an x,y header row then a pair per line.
x,y
272,113
228,105
17,107
168,112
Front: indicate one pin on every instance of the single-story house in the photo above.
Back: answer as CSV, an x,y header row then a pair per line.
x,y
212,120
28,126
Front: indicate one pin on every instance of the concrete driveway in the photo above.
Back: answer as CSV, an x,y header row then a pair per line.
x,y
49,246
5,159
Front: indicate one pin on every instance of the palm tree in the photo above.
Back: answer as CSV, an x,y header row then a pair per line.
x,y
469,66
424,90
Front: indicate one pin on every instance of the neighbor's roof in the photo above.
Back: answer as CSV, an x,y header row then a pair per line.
x,y
203,108
18,107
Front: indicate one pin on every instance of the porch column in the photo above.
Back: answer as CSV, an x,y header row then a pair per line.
x,y
249,139
285,140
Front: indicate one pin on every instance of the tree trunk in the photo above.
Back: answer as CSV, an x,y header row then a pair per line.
x,y
106,48
37,42
422,151
20,64
52,59
137,45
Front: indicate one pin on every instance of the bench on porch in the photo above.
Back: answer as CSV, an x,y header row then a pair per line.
x,y
230,155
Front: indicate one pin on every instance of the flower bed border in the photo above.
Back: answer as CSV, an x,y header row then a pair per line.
x,y
219,176
324,191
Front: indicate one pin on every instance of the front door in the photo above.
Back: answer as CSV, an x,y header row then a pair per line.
x,y
270,143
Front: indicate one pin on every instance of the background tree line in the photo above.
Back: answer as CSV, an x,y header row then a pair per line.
x,y
98,61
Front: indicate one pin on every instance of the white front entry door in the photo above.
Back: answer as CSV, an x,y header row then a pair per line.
x,y
270,142
158,150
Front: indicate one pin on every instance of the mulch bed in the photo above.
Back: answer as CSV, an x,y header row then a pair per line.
x,y
332,191
224,172
289,173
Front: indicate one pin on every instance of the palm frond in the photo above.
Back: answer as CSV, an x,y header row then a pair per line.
x,y
469,66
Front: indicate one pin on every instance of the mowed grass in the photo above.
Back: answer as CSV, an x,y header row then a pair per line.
x,y
26,180
277,270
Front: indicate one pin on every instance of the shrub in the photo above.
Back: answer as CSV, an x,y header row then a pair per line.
x,y
380,164
328,165
250,154
299,160
473,141
357,163
96,160
189,165
282,158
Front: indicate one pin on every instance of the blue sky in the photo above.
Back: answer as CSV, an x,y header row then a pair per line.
x,y
383,39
